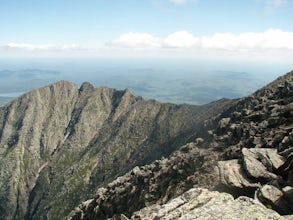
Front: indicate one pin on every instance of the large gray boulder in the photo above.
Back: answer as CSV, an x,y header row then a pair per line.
x,y
234,179
260,163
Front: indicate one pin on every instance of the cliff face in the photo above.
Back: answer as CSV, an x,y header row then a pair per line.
x,y
60,143
246,150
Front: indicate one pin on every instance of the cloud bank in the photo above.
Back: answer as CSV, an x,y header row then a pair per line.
x,y
273,43
136,40
272,39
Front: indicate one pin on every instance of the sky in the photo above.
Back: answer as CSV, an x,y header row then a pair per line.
x,y
226,29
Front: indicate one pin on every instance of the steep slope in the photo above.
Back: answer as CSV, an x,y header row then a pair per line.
x,y
59,143
245,150
31,128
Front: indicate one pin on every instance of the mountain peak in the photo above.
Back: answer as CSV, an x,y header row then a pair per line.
x,y
86,86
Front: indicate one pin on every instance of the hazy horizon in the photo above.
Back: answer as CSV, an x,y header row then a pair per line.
x,y
167,80
183,51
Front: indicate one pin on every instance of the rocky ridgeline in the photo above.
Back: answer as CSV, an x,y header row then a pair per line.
x,y
245,151
255,139
262,120
60,143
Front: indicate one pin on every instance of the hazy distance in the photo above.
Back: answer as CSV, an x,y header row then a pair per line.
x,y
167,80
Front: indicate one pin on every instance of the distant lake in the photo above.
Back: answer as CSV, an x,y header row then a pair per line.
x,y
11,94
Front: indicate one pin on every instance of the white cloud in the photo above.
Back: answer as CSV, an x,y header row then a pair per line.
x,y
38,47
271,39
180,39
136,40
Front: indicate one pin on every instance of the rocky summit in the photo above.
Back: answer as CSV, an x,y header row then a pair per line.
x,y
69,152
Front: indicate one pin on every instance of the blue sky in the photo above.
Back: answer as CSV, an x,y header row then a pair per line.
x,y
255,29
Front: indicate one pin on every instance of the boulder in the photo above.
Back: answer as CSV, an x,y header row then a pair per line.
x,y
223,123
274,198
260,163
234,180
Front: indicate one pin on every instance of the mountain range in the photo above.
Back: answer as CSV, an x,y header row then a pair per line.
x,y
70,152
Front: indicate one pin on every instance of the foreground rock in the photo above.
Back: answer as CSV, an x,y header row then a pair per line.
x,y
257,170
202,204
256,167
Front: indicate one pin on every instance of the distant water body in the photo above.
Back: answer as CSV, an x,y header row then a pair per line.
x,y
167,80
